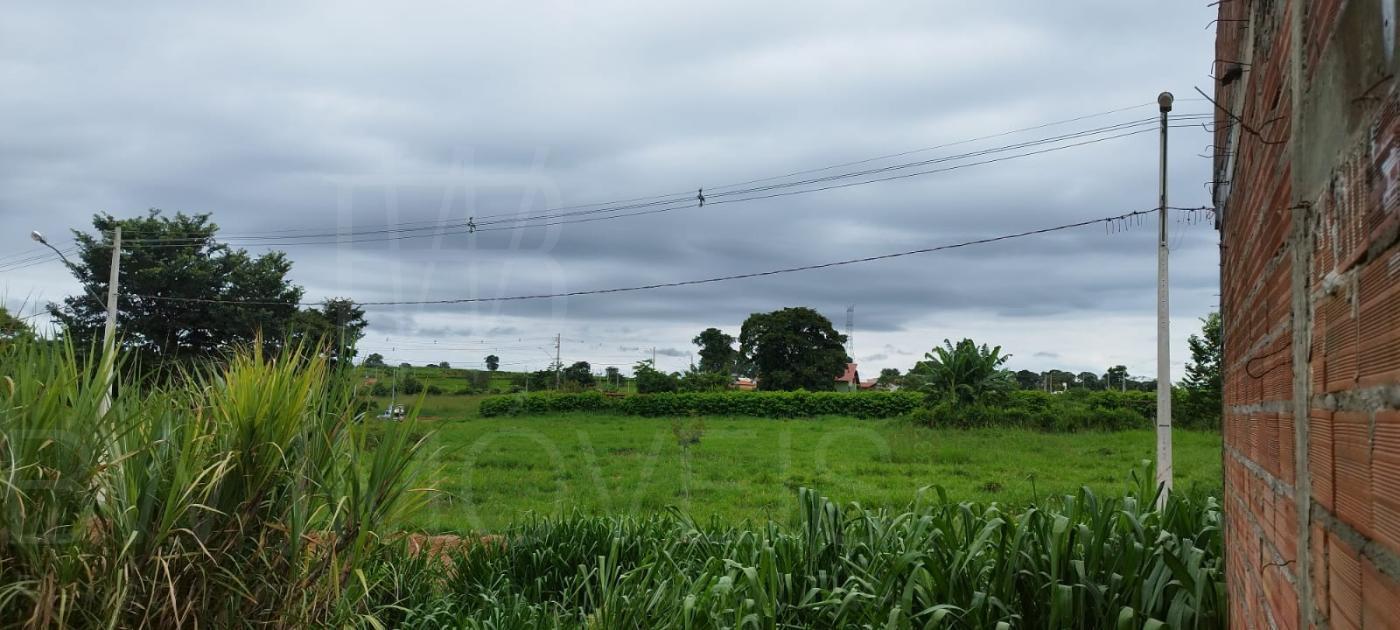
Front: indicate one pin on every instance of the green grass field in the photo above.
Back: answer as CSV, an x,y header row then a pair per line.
x,y
490,472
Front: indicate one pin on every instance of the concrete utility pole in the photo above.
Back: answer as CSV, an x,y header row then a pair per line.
x,y
1164,375
557,364
109,333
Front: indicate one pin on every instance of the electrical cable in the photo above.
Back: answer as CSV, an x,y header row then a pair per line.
x,y
660,285
395,237
458,226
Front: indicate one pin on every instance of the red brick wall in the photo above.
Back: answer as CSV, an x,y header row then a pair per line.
x,y
1309,205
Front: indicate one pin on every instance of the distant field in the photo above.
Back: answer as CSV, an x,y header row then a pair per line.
x,y
450,379
493,471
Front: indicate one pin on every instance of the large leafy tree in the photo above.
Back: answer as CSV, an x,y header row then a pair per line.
x,y
965,373
374,360
793,348
1026,379
183,295
1202,383
717,353
650,380
493,362
338,324
1116,378
580,373
890,377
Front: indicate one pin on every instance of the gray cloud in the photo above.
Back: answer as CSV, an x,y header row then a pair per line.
x,y
336,116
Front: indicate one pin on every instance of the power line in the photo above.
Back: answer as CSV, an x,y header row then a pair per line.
x,y
678,200
339,239
661,285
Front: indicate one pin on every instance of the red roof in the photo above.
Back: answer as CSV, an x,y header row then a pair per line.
x,y
850,376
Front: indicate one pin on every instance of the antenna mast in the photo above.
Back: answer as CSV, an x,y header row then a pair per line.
x,y
851,332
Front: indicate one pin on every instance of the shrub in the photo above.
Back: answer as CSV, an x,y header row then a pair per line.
x,y
798,404
1067,412
410,385
379,389
433,390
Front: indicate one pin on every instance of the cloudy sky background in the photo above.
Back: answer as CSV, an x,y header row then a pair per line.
x,y
345,116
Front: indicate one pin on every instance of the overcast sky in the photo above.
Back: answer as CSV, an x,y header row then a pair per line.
x,y
349,116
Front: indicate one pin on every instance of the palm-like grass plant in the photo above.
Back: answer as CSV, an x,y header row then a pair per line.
x,y
1077,561
242,495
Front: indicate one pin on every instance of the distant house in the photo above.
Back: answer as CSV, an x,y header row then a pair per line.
x,y
870,384
745,384
849,381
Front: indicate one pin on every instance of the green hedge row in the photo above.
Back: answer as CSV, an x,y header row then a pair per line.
x,y
759,404
1068,411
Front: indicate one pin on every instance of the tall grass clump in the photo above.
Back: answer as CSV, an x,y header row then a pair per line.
x,y
1077,561
237,495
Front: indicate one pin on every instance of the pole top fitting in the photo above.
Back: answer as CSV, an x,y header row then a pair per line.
x,y
1164,101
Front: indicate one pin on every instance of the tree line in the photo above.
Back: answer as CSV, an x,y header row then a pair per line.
x,y
185,298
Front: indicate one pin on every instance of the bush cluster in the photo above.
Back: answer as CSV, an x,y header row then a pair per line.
x,y
799,404
1074,410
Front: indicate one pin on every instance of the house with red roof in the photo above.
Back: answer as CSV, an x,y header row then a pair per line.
x,y
848,381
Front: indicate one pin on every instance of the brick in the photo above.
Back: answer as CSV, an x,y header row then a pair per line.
x,y
1286,527
1344,585
1381,598
1287,464
1351,436
1385,479
1379,326
1282,597
1320,458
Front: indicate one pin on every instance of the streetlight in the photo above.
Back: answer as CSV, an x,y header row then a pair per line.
x,y
109,332
39,238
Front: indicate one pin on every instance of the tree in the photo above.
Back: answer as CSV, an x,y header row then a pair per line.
x,y
493,362
1026,379
614,375
405,364
186,300
541,380
717,352
793,348
444,365
1089,380
701,381
965,373
890,378
13,328
1202,383
580,373
1058,379
651,380
374,360
1116,377
338,324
